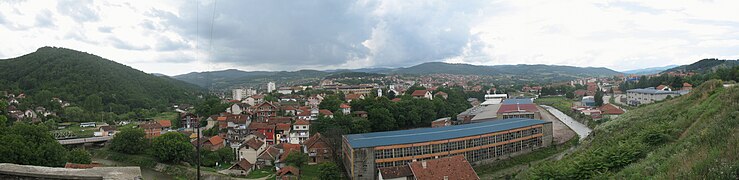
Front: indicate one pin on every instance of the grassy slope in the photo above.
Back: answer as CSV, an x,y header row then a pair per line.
x,y
691,137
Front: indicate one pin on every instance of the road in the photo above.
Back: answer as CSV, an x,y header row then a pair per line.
x,y
579,128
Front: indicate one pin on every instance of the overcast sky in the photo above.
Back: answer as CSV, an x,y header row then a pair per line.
x,y
175,37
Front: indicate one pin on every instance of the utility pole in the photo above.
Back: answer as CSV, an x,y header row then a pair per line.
x,y
197,149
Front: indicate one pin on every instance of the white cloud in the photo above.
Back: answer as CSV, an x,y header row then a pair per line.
x,y
160,36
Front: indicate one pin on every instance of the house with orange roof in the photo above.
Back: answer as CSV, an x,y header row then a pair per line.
x,y
317,148
345,108
422,94
350,97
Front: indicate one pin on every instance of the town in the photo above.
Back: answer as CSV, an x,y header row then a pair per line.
x,y
370,126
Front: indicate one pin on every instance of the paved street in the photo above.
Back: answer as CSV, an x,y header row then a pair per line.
x,y
579,128
561,133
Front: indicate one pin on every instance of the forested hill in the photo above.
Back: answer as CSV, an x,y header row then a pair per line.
x,y
534,71
695,136
78,76
705,65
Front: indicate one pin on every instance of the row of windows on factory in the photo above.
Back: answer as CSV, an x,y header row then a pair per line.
x,y
527,115
451,146
481,154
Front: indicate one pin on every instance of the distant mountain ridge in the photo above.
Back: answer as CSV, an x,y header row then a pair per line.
x,y
705,65
73,76
648,71
539,73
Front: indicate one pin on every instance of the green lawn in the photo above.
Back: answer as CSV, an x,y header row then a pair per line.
x,y
309,172
165,116
260,173
79,131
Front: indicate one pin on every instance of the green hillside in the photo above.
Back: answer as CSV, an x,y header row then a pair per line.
x,y
695,136
705,65
77,76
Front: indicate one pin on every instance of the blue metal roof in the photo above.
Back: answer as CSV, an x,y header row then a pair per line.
x,y
434,134
518,101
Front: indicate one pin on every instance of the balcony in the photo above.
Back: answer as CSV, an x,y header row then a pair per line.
x,y
312,154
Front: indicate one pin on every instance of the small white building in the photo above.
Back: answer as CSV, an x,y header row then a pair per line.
x,y
300,132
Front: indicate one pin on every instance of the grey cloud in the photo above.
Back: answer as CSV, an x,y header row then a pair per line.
x,y
118,43
45,19
79,10
325,33
166,44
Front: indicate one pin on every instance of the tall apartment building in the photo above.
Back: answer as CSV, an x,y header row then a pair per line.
x,y
480,143
271,87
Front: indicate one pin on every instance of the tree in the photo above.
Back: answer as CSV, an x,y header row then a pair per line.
x,y
331,102
93,103
381,119
30,144
75,114
172,147
211,105
598,98
570,95
329,170
129,141
79,156
226,155
296,159
361,125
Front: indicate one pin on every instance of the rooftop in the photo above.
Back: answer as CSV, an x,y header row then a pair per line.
x,y
434,134
518,101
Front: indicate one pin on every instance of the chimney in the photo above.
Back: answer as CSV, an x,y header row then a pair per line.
x,y
423,163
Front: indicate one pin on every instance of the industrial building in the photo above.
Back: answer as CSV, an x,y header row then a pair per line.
x,y
650,95
479,143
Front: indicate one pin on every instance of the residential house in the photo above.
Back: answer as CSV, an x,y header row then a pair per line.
x,y
422,94
237,127
288,173
250,149
268,157
106,131
189,120
165,124
345,108
318,149
449,168
360,114
350,97
266,110
610,111
687,87
326,113
300,132
441,94
290,110
265,128
402,172
152,129
282,132
212,144
235,109
241,168
314,100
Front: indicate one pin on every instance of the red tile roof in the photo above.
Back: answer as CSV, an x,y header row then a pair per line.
x,y
165,123
610,110
395,100
687,85
325,112
419,93
453,168
352,96
288,170
301,122
253,143
344,106
243,164
215,140
396,172
282,127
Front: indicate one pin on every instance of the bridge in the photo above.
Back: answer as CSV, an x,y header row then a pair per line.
x,y
85,140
